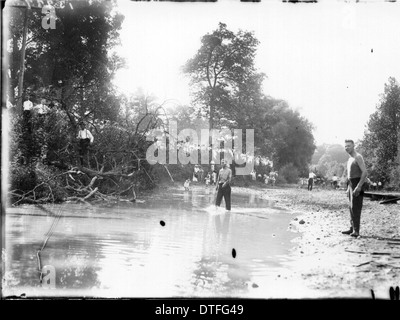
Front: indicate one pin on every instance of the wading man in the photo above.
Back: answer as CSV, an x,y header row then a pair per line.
x,y
223,186
356,176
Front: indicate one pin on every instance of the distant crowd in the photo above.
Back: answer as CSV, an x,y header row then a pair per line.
x,y
265,178
335,182
210,178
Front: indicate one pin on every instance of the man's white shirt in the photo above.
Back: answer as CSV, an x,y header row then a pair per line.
x,y
85,134
28,105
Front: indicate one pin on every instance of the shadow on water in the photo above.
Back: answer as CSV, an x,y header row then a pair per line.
x,y
125,250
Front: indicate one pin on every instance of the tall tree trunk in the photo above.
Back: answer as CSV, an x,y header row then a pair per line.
x,y
22,62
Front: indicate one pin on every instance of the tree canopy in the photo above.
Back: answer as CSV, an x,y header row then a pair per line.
x,y
222,71
228,87
71,65
380,144
68,78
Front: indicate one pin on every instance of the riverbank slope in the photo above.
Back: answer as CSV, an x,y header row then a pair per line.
x,y
334,264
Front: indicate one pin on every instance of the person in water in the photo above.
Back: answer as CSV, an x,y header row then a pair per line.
x,y
186,185
223,186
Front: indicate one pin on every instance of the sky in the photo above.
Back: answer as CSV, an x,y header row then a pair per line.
x,y
328,60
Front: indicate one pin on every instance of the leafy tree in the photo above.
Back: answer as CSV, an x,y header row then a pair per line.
x,y
221,71
68,68
228,87
285,135
330,159
319,152
187,117
336,152
290,173
381,139
71,65
327,167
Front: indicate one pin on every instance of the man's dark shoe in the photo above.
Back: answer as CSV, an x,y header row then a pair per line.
x,y
348,231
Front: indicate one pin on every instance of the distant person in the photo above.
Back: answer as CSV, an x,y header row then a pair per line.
x,y
208,179
379,185
374,186
186,185
356,176
214,177
27,114
28,106
311,178
209,174
223,186
201,174
196,174
272,177
335,181
85,138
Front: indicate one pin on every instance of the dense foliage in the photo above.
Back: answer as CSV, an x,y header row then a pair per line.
x,y
381,142
228,89
380,145
68,78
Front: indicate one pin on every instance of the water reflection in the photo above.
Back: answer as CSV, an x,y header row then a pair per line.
x,y
125,251
217,271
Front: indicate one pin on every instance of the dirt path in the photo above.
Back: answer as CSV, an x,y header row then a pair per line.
x,y
333,264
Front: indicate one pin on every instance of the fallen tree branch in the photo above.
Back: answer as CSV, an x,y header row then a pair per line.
x,y
91,183
127,189
91,193
91,173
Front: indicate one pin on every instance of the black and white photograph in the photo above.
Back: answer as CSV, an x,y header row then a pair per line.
x,y
200,150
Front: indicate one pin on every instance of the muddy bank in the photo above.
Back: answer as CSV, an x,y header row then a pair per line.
x,y
333,264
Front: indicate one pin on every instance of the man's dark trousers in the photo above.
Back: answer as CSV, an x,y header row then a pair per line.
x,y
310,184
226,193
355,205
83,148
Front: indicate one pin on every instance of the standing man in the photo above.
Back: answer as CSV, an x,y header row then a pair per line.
x,y
85,138
272,176
28,106
356,176
253,175
334,181
27,114
214,176
223,186
311,177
